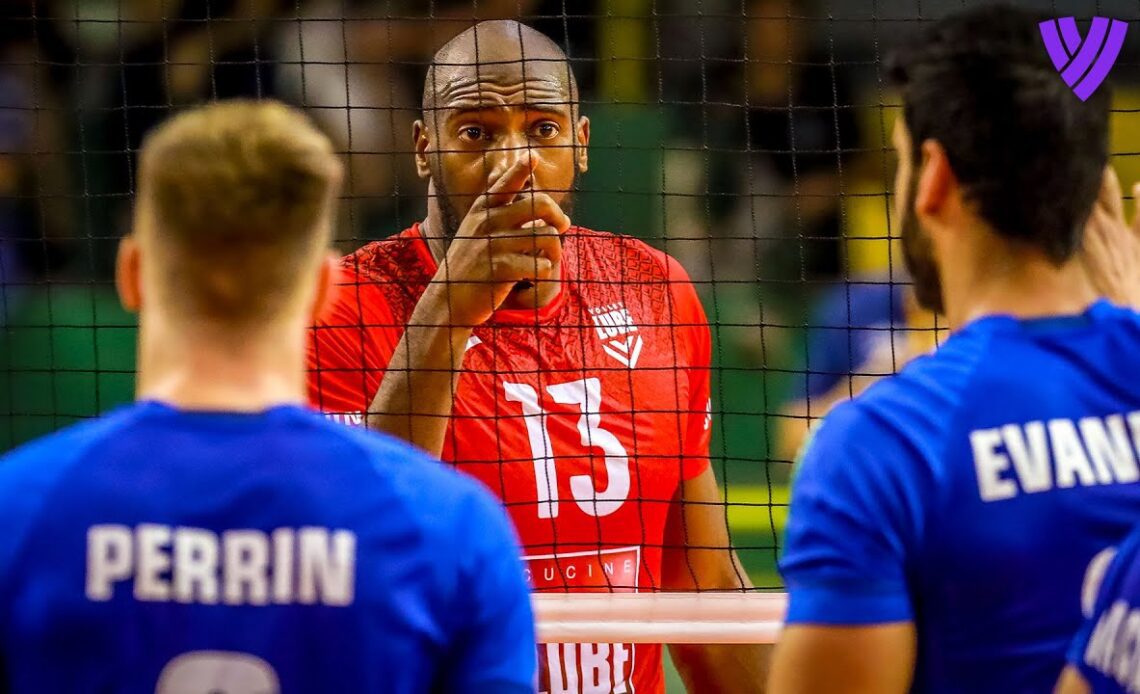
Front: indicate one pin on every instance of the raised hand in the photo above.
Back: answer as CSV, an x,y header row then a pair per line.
x,y
1110,252
510,235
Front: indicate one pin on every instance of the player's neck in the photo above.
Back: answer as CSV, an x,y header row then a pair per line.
x,y
207,368
1005,279
431,229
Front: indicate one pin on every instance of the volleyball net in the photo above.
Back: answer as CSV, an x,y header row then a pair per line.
x,y
747,139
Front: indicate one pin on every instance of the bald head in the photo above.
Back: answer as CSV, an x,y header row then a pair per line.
x,y
500,52
496,93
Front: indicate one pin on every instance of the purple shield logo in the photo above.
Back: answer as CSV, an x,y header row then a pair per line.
x,y
1083,63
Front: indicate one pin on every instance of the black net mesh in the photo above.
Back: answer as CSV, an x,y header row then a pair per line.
x,y
749,140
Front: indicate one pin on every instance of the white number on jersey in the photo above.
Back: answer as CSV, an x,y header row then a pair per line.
x,y
586,394
1094,577
217,672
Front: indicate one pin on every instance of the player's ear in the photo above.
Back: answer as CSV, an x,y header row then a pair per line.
x,y
420,141
327,286
128,274
582,139
936,180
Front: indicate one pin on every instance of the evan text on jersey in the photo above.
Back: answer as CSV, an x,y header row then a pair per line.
x,y
1040,456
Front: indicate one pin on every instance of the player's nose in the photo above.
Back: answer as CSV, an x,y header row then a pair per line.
x,y
511,154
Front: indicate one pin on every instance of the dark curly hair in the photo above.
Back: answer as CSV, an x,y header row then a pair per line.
x,y
1027,152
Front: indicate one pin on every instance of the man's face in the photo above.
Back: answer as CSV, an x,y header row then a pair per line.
x,y
918,252
485,119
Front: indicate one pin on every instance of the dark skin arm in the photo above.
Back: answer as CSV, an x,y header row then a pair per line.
x,y
427,362
507,237
698,556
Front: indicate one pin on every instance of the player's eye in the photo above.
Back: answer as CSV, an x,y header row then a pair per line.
x,y
545,130
472,133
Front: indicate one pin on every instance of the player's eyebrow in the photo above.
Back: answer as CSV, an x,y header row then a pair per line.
x,y
556,108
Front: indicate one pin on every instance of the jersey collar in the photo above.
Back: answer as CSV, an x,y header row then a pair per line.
x,y
1095,312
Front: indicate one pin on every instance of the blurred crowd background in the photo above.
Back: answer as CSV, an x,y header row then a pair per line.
x,y
749,138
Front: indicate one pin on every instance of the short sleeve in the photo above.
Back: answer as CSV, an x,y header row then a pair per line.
x,y
696,344
855,511
495,648
1110,598
349,349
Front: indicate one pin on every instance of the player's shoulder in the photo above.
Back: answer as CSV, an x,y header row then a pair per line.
x,y
635,255
1104,311
1000,358
396,264
1121,322
30,473
903,421
425,485
978,366
44,459
380,278
380,260
919,397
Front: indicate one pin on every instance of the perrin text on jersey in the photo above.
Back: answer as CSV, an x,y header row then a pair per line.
x,y
309,566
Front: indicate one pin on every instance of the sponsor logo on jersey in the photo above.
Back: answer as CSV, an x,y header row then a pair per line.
x,y
618,333
352,419
586,668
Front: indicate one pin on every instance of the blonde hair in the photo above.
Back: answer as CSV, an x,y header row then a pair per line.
x,y
239,199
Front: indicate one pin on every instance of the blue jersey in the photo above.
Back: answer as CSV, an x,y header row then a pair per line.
x,y
1104,651
849,324
164,551
969,493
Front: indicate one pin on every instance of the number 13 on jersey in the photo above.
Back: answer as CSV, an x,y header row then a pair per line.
x,y
586,395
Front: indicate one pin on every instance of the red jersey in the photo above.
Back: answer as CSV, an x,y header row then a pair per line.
x,y
584,416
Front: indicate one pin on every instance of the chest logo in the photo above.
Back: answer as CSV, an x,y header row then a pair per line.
x,y
618,333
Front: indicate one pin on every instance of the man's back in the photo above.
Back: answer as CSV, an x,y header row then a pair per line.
x,y
969,494
276,551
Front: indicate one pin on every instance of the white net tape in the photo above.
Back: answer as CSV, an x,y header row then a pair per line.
x,y
659,617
